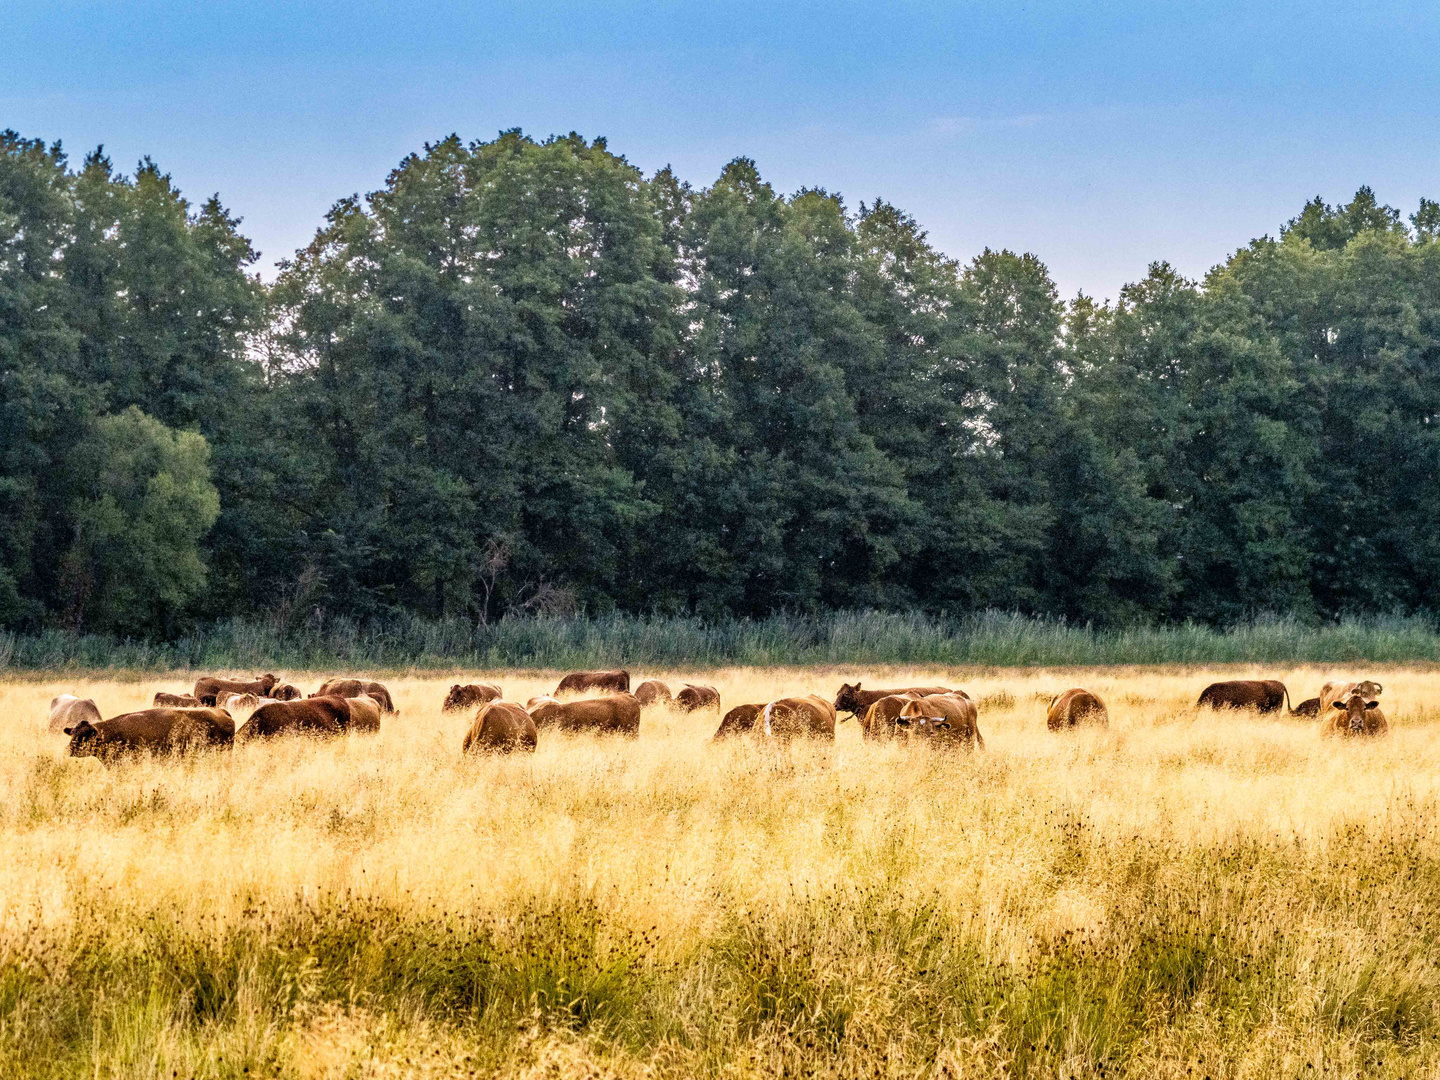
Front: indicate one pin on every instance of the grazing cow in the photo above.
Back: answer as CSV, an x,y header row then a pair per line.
x,y
739,720
879,720
692,698
1332,692
155,731
613,714
207,687
285,692
652,691
501,726
1076,707
225,699
364,714
786,718
1355,716
856,702
1262,695
67,710
176,701
354,688
463,697
577,682
1308,707
325,717
953,720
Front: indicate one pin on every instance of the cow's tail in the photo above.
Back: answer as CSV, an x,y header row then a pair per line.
x,y
766,715
979,739
1289,708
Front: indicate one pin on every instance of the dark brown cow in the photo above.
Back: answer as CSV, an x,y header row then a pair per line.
x,y
739,720
652,691
1074,707
613,714
354,688
953,720
463,697
283,691
176,701
364,714
155,731
879,720
577,682
1262,695
207,687
787,718
693,698
67,710
856,702
501,726
1354,717
1309,707
325,717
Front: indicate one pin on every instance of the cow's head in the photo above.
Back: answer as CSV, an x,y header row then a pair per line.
x,y
84,739
925,727
1367,689
267,681
455,698
1355,709
847,699
285,692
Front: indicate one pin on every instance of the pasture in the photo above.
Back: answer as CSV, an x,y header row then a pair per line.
x,y
1182,894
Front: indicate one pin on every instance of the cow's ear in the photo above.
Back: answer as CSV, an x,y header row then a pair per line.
x,y
1372,704
1337,704
69,731
942,725
902,721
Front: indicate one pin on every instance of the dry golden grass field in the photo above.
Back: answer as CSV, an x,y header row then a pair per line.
x,y
1183,894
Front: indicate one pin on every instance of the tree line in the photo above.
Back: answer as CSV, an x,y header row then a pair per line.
x,y
522,377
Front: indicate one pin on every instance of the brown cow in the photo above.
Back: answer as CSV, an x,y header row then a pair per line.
x,y
364,714
1262,695
67,710
321,716
693,698
354,688
284,691
151,730
463,697
785,718
651,692
176,701
953,720
879,719
1354,716
739,720
856,702
1074,707
577,682
1309,707
207,687
612,714
502,726
1332,692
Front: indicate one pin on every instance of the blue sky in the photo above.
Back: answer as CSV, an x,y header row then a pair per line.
x,y
1100,136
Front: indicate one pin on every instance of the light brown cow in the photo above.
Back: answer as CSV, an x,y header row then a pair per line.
x,y
1332,692
349,688
787,718
617,714
463,697
651,692
1354,716
577,682
206,688
155,731
1074,707
364,714
958,723
879,720
693,698
67,710
501,726
739,720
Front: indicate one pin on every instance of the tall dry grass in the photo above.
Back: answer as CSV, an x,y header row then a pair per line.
x,y
1183,894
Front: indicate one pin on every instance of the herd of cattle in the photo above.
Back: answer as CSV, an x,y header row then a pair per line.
x,y
936,714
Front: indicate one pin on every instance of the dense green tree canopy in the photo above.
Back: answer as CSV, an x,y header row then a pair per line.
x,y
523,377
